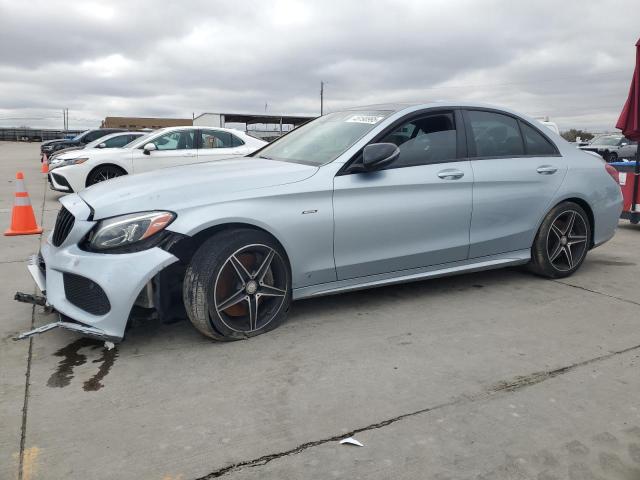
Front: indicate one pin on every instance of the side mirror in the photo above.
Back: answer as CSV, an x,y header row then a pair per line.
x,y
379,155
149,147
624,144
102,145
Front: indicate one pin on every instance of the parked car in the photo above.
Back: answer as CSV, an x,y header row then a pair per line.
x,y
355,199
79,140
612,147
161,148
113,140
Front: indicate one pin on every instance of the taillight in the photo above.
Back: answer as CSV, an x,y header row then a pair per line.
x,y
613,172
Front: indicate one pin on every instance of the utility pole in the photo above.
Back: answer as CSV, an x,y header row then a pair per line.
x,y
321,97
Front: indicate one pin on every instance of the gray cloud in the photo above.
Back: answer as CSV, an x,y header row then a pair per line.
x,y
567,60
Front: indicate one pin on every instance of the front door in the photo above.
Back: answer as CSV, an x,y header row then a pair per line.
x,y
517,170
416,212
175,147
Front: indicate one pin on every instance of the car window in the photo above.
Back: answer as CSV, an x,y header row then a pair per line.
x,y
176,140
215,139
535,142
324,139
423,141
610,141
237,142
495,135
116,142
91,136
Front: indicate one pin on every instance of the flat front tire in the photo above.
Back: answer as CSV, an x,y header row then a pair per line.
x,y
237,285
562,241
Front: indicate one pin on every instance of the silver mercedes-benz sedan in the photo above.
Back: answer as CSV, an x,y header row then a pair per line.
x,y
358,198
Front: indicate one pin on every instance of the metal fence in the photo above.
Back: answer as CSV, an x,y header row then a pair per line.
x,y
33,134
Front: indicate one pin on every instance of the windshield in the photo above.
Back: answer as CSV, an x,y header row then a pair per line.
x,y
144,139
323,139
100,140
608,140
80,135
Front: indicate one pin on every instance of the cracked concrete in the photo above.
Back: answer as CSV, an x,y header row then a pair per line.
x,y
491,375
506,386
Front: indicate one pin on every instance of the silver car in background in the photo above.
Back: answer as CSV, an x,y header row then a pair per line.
x,y
355,199
612,147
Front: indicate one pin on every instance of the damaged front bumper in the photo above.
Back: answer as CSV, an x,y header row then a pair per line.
x,y
93,292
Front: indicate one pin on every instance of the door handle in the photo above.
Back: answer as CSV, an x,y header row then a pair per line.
x,y
547,170
450,174
189,154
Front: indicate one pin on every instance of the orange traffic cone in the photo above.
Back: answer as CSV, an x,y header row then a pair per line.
x,y
23,220
45,165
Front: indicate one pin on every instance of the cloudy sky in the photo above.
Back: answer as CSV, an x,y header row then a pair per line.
x,y
569,60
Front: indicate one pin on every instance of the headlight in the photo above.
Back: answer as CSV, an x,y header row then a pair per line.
x,y
59,162
126,230
74,161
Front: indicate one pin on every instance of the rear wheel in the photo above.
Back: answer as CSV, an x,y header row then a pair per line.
x,y
103,173
562,242
237,285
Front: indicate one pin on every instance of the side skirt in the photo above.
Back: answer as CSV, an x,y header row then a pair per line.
x,y
518,257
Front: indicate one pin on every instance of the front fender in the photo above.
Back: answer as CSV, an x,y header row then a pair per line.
x,y
307,238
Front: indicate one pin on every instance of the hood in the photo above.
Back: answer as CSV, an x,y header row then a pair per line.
x,y
188,186
92,153
71,152
51,142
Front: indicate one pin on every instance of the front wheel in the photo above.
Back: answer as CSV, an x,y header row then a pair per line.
x,y
562,241
101,174
237,285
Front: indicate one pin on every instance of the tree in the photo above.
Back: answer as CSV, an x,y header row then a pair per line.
x,y
570,135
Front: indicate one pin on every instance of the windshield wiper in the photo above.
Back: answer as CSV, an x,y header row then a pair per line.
x,y
265,157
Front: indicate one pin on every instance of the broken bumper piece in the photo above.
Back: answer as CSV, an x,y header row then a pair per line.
x,y
69,325
74,327
93,292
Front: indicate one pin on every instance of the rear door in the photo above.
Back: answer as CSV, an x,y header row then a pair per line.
x,y
416,212
175,147
517,170
217,144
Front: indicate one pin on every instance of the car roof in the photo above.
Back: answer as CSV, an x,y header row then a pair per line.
x,y
187,127
402,106
119,134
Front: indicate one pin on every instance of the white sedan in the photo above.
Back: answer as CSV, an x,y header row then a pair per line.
x,y
65,157
162,148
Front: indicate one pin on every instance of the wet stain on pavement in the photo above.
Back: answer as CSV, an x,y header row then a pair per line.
x,y
106,361
72,357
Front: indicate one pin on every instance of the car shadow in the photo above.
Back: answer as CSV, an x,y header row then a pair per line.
x,y
180,331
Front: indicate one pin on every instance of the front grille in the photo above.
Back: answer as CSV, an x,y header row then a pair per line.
x,y
41,265
85,294
64,224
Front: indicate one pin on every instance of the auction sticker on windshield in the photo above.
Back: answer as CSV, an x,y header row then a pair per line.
x,y
371,119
